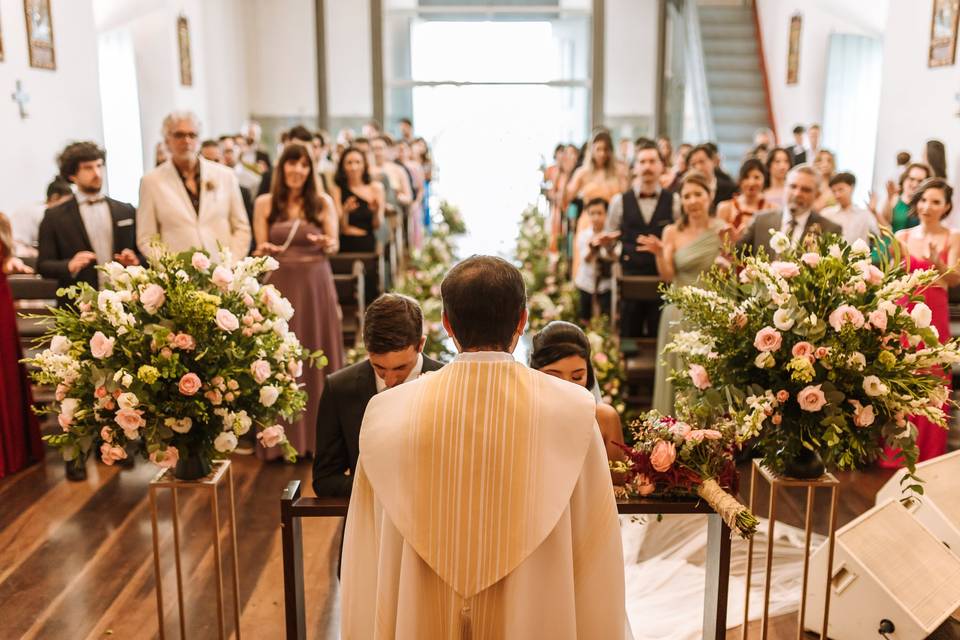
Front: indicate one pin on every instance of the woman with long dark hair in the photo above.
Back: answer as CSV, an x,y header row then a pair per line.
x,y
739,210
562,350
297,225
778,165
362,202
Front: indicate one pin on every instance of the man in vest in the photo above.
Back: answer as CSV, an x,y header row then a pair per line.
x,y
644,209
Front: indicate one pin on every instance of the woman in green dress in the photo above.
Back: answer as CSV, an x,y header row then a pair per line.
x,y
895,214
688,247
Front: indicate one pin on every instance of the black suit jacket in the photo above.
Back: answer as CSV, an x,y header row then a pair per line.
x,y
342,405
62,234
765,223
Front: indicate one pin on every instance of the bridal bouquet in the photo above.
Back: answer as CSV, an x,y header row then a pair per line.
x,y
813,353
670,457
177,360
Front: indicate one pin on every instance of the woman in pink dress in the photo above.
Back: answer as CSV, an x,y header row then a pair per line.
x,y
930,245
297,224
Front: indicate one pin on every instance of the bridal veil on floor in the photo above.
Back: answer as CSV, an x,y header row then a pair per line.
x,y
665,574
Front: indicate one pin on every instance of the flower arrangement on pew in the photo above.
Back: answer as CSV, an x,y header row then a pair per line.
x,y
671,458
608,365
814,353
452,217
177,360
552,295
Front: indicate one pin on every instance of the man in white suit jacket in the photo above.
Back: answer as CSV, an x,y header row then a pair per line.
x,y
189,202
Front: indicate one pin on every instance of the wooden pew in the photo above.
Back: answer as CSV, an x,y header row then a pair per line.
x,y
293,508
33,296
351,295
374,269
640,354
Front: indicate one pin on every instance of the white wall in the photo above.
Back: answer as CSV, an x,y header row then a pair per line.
x,y
349,69
64,104
802,103
630,58
281,57
917,102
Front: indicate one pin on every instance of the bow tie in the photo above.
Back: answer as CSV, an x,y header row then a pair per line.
x,y
647,196
94,200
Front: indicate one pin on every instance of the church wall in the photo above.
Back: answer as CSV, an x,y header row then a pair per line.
x,y
630,66
64,104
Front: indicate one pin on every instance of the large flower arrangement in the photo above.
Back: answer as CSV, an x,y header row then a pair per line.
x,y
177,360
815,351
671,458
552,295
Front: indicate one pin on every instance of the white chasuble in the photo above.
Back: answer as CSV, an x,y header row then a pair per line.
x,y
482,508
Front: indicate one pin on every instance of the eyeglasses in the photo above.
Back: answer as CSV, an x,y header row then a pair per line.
x,y
182,135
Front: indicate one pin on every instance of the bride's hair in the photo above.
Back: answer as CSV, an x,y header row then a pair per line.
x,y
559,340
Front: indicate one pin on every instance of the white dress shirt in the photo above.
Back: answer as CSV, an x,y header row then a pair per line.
x,y
414,374
856,222
95,213
798,229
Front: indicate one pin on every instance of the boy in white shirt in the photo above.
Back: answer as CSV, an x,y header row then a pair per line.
x,y
593,276
857,222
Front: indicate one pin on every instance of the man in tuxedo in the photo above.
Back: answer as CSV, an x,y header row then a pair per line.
x,y
798,151
482,505
190,202
88,229
797,218
644,209
393,336
82,232
703,158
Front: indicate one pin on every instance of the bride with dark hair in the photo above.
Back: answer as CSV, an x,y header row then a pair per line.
x,y
562,350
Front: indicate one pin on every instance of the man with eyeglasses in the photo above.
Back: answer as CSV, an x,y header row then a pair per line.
x,y
189,202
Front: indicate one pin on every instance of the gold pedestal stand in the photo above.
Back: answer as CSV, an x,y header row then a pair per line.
x,y
221,475
826,481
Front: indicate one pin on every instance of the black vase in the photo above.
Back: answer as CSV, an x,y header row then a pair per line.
x,y
806,465
192,467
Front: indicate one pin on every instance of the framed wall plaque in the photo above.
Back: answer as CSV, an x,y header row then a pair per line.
x,y
943,33
1,42
183,43
40,34
793,50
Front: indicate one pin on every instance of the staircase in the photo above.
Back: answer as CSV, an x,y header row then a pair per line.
x,y
735,82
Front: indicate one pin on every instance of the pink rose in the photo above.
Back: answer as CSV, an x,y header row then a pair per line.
x,y
785,269
821,353
248,300
739,320
168,457
166,352
663,455
643,485
767,339
811,398
846,314
100,392
101,346
600,358
783,395
222,277
106,435
184,341
152,297
802,349
189,384
872,274
111,453
271,436
130,420
712,434
68,408
860,287
699,376
680,429
878,318
214,396
227,321
810,259
200,261
863,416
260,370
776,418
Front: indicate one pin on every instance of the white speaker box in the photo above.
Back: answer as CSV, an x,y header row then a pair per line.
x,y
939,506
887,566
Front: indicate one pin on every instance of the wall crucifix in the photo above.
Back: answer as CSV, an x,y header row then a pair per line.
x,y
21,98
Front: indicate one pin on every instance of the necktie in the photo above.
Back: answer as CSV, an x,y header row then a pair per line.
x,y
791,227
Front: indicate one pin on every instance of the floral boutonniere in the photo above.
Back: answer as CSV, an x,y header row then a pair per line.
x,y
208,185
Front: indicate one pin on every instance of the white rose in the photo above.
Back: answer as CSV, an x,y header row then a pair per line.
x,y
226,320
269,395
782,319
152,297
779,242
239,422
860,247
921,315
763,360
128,400
857,361
260,370
69,407
222,277
60,345
225,442
181,425
280,327
873,387
126,380
270,264
835,251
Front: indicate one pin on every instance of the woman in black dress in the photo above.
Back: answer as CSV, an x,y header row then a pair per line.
x,y
361,202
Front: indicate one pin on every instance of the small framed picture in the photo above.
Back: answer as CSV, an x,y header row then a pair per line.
x,y
943,33
40,34
793,50
183,44
1,42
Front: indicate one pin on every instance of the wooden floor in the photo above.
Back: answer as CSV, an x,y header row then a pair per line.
x,y
76,558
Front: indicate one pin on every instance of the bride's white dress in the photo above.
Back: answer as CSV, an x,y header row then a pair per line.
x,y
665,574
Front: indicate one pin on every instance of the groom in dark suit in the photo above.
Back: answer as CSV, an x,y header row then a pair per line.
x,y
88,229
797,218
393,337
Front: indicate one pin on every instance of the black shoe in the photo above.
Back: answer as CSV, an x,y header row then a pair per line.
x,y
76,470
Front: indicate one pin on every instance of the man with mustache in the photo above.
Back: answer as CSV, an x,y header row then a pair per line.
x,y
644,209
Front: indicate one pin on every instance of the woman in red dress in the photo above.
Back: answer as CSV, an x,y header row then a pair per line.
x,y
20,444
930,245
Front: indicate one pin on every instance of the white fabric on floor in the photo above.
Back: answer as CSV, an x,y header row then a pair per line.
x,y
665,574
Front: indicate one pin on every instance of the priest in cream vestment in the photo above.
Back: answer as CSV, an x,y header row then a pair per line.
x,y
482,505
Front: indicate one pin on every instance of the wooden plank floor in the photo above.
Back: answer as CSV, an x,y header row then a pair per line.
x,y
76,558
